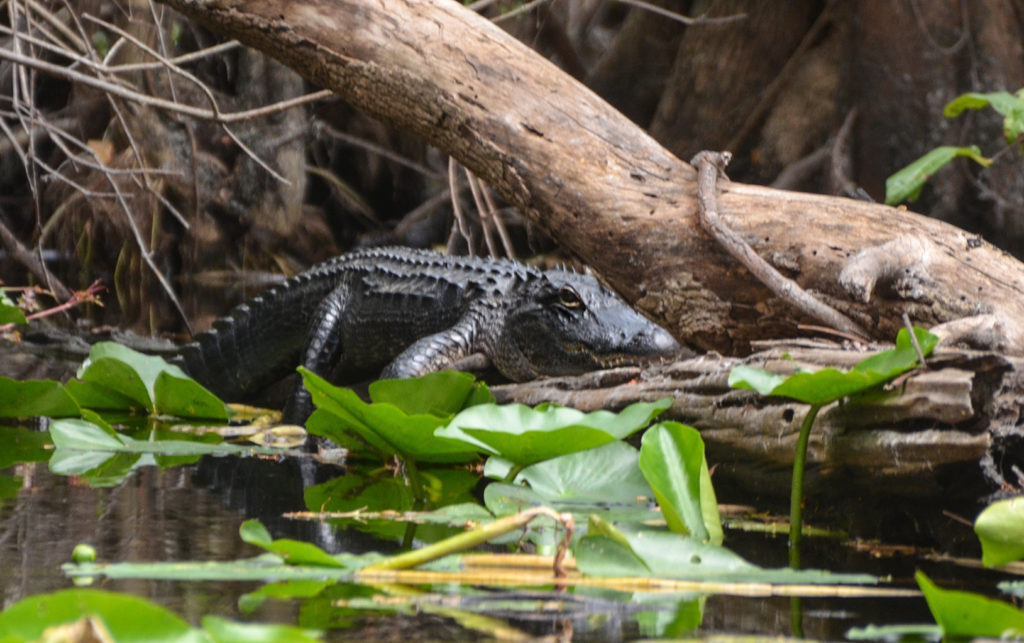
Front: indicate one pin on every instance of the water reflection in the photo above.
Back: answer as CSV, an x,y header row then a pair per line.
x,y
193,513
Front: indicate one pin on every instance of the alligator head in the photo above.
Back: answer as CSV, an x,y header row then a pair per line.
x,y
566,323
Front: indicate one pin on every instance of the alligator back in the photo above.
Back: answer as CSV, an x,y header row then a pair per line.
x,y
396,295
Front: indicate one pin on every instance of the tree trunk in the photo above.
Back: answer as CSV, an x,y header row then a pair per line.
x,y
607,191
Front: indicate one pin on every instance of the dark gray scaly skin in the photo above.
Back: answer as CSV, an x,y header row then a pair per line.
x,y
412,312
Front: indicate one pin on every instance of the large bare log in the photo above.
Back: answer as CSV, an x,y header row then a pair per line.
x,y
924,437
609,193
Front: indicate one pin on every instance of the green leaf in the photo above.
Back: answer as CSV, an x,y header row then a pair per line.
x,y
293,552
906,184
33,398
22,445
441,394
1011,106
830,384
225,631
968,615
1000,528
81,435
672,461
606,474
672,555
285,590
115,377
598,555
184,397
128,618
113,373
525,436
90,395
10,313
385,427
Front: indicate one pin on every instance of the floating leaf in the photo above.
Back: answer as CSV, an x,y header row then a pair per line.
x,y
1000,528
606,474
672,460
22,445
115,377
443,394
672,555
285,590
527,435
386,427
906,184
129,619
293,552
968,615
35,398
225,631
184,397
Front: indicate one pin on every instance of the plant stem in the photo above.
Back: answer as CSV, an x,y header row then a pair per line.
x,y
796,494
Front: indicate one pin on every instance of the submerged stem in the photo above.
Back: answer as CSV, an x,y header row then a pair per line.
x,y
796,494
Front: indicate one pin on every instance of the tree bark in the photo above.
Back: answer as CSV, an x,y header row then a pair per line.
x,y
924,437
606,190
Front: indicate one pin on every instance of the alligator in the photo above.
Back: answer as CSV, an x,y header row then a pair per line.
x,y
400,312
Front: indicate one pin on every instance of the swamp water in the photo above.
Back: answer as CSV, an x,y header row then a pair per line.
x,y
193,513
147,497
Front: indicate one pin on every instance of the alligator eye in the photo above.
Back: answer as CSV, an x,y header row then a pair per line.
x,y
569,297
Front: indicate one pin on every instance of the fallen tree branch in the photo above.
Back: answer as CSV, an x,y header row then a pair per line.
x,y
603,188
710,168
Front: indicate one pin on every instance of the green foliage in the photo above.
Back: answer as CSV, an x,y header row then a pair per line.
x,y
1011,106
969,615
10,313
830,384
672,461
94,449
1000,528
400,420
906,184
129,619
114,378
824,387
525,435
30,398
291,551
638,551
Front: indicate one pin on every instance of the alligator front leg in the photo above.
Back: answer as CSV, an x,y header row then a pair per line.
x,y
322,353
437,352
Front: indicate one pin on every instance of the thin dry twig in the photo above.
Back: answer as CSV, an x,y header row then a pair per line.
x,y
459,225
711,165
482,212
76,298
24,256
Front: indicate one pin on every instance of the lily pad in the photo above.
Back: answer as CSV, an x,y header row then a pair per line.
x,y
968,615
35,398
116,377
527,435
387,428
443,394
293,552
128,618
1000,528
672,460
